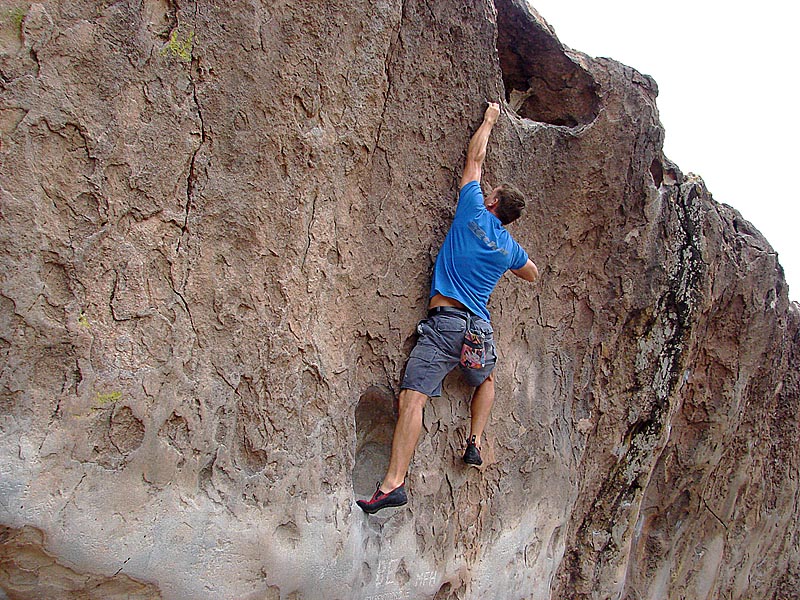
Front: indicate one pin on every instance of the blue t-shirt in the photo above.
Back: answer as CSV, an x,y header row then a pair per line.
x,y
475,254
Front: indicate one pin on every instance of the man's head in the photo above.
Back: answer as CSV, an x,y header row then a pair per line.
x,y
506,203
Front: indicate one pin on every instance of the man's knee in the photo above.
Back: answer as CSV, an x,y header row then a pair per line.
x,y
411,400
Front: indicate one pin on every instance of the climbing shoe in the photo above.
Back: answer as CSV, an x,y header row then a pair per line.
x,y
472,455
379,500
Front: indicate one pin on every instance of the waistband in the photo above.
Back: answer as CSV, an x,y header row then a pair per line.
x,y
450,310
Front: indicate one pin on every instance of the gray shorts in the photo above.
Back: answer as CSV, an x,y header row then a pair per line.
x,y
438,351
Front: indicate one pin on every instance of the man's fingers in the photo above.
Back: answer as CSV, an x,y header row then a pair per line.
x,y
493,110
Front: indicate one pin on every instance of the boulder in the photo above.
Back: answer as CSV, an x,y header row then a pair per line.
x,y
218,223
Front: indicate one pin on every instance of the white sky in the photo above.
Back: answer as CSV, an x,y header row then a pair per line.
x,y
727,77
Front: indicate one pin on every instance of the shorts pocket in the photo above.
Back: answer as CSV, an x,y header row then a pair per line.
x,y
491,352
484,327
424,352
447,324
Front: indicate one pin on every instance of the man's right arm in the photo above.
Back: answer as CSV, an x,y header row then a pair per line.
x,y
528,272
476,152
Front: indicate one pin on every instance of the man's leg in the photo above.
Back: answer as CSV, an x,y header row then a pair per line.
x,y
406,436
482,401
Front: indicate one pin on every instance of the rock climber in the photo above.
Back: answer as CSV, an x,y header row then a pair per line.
x,y
476,252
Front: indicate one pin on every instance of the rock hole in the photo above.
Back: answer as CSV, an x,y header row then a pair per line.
x,y
375,419
160,16
250,440
114,436
657,172
366,572
176,431
402,576
288,534
443,593
541,81
126,431
56,282
206,474
273,593
221,430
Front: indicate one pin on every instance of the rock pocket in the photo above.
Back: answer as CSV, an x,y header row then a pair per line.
x,y
375,420
542,82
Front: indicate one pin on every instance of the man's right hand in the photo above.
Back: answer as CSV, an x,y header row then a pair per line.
x,y
476,152
492,113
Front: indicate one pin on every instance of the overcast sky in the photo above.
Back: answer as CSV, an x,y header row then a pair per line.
x,y
727,79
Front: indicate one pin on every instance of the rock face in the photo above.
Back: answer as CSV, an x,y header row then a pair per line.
x,y
218,222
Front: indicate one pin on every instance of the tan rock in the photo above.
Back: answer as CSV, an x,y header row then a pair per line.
x,y
218,222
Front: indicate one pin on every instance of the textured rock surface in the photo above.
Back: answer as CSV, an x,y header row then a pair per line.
x,y
218,222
